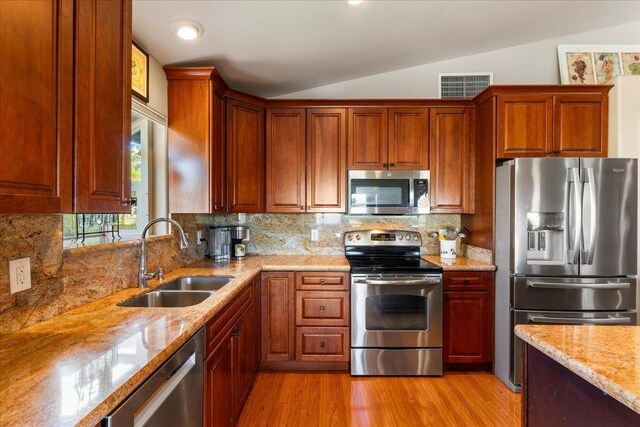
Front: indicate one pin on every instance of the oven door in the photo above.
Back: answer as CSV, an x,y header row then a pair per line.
x,y
403,311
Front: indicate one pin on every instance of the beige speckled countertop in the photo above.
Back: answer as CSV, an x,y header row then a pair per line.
x,y
75,368
459,264
606,356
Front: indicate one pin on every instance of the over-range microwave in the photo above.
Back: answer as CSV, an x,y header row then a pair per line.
x,y
388,192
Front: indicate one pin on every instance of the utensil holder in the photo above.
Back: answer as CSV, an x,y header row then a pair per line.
x,y
448,249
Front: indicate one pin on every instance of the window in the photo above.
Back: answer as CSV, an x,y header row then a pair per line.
x,y
148,148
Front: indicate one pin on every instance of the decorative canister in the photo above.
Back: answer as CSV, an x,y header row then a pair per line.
x,y
240,250
448,249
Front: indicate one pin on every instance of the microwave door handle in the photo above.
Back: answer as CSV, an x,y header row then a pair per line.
x,y
593,217
578,321
559,285
574,182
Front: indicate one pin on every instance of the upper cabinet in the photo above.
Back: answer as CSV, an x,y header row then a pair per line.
x,y
197,160
544,123
368,138
388,138
306,160
36,87
103,106
53,107
408,138
245,156
451,160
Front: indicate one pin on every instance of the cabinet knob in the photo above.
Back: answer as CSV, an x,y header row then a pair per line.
x,y
322,281
130,202
321,344
391,165
322,309
236,332
301,208
549,152
215,206
385,165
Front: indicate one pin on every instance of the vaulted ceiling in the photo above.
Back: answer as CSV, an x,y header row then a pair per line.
x,y
275,47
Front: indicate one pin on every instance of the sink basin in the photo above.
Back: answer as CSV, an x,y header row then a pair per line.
x,y
197,283
167,299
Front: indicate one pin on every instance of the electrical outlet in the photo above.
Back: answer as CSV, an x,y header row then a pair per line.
x,y
19,274
314,235
199,236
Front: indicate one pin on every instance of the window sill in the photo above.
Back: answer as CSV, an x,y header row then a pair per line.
x,y
104,244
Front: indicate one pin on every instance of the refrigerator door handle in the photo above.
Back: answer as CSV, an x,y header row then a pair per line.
x,y
574,182
593,217
579,321
559,285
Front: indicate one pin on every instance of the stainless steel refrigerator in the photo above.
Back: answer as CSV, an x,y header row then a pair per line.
x,y
566,242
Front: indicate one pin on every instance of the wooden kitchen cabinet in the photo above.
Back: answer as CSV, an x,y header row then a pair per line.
x,y
197,161
286,160
245,157
67,91
368,143
450,160
468,319
548,124
257,321
230,360
278,317
408,138
326,160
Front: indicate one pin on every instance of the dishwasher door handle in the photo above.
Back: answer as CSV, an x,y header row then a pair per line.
x,y
164,391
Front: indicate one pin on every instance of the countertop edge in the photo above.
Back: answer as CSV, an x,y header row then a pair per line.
x,y
588,374
459,264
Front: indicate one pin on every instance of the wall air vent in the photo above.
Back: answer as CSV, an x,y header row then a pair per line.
x,y
462,85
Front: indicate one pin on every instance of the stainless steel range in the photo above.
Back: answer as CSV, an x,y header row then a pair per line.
x,y
396,305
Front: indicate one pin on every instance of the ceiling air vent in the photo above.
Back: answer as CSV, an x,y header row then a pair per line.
x,y
462,85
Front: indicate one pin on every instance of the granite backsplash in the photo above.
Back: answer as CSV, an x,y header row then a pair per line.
x,y
63,279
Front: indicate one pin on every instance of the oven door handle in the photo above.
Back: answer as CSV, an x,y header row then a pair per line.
x,y
579,321
394,282
552,285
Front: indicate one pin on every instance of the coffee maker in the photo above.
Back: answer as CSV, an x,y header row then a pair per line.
x,y
223,241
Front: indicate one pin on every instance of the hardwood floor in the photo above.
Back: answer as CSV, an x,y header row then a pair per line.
x,y
337,399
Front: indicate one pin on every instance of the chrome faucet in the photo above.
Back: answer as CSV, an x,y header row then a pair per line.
x,y
159,274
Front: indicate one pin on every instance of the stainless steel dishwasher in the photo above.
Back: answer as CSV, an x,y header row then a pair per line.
x,y
172,396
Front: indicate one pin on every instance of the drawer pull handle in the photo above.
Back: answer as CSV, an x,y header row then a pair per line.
x,y
321,344
322,309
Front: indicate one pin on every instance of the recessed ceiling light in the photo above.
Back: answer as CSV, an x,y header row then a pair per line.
x,y
354,2
187,29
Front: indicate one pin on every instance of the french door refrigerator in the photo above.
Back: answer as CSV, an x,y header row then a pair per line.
x,y
566,242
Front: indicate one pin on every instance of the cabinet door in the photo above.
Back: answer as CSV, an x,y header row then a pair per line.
x,y
245,157
256,321
450,160
326,160
367,138
580,125
218,166
278,310
409,138
36,111
103,106
525,125
465,338
218,403
286,160
242,337
189,119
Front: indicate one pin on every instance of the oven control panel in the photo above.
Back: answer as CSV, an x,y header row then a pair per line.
x,y
383,238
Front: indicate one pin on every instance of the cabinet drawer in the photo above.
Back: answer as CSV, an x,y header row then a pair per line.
x,y
322,344
315,308
461,281
322,280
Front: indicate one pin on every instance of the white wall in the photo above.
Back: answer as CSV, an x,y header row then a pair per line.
x,y
157,87
534,63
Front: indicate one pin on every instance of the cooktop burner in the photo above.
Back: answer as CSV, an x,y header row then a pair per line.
x,y
386,252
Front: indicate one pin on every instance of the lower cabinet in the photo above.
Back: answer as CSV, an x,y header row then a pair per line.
x,y
468,320
305,320
230,364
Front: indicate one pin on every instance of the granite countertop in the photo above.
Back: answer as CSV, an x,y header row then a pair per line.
x,y
459,264
605,356
75,368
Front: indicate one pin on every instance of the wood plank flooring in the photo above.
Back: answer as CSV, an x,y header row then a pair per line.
x,y
337,399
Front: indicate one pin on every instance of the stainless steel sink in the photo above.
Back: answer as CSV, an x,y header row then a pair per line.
x,y
167,299
197,283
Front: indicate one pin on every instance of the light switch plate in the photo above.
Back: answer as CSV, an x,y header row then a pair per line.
x,y
314,235
19,274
